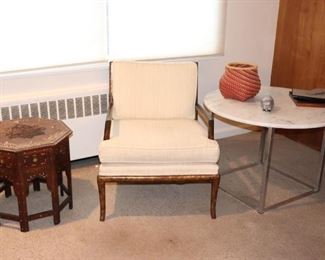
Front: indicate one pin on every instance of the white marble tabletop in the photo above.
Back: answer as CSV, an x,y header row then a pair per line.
x,y
285,113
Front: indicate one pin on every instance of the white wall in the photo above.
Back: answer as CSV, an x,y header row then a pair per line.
x,y
57,84
250,36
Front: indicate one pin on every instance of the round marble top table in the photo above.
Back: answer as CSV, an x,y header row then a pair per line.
x,y
285,115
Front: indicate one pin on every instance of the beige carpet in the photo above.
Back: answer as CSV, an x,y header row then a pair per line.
x,y
173,222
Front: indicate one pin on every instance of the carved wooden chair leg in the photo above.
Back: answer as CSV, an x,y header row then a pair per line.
x,y
214,192
102,199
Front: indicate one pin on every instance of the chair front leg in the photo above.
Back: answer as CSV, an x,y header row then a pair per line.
x,y
214,193
102,198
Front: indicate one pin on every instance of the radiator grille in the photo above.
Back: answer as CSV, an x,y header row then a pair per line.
x,y
59,109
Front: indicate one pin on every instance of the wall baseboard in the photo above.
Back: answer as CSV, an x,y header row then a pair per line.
x,y
229,131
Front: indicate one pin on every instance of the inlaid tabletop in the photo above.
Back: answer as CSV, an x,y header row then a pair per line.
x,y
30,133
285,113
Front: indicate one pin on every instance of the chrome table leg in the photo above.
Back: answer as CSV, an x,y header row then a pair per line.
x,y
321,165
262,145
266,168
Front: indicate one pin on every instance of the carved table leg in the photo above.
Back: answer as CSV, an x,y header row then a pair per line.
x,y
60,178
36,185
55,206
7,188
20,191
53,185
68,174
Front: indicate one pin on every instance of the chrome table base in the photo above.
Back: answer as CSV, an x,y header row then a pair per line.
x,y
264,159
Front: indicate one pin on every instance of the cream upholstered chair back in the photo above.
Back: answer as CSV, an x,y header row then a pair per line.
x,y
153,90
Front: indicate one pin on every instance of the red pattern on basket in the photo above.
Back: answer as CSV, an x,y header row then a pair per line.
x,y
240,81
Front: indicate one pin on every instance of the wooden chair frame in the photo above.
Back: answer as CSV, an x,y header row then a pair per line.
x,y
214,179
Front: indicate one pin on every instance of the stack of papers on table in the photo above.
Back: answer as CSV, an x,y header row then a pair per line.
x,y
311,96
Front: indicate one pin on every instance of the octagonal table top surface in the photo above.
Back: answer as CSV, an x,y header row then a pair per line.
x,y
31,133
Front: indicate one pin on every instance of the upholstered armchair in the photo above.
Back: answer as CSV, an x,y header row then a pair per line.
x,y
152,134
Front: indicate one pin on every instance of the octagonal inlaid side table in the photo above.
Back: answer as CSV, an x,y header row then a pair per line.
x,y
34,150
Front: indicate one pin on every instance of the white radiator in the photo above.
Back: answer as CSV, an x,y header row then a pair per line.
x,y
83,110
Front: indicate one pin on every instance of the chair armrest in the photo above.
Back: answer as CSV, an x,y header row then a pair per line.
x,y
207,118
108,122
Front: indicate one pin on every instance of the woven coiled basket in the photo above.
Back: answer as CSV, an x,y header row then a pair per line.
x,y
240,81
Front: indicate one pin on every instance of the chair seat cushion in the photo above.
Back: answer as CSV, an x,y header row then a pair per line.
x,y
158,141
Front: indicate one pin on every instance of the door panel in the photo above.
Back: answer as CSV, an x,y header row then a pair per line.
x,y
299,54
